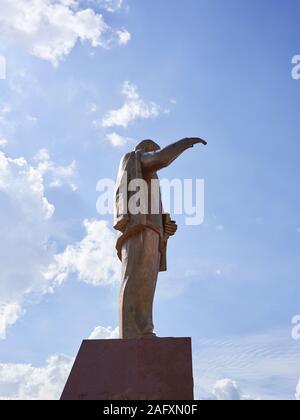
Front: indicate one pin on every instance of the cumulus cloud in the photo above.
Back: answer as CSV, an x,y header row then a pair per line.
x,y
55,176
102,333
92,108
116,139
226,390
25,382
29,266
25,215
31,119
9,314
49,29
109,5
5,109
124,37
93,259
265,365
3,142
298,391
134,108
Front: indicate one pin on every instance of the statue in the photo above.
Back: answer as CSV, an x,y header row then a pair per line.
x,y
143,235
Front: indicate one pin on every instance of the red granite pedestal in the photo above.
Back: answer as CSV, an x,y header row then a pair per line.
x,y
145,369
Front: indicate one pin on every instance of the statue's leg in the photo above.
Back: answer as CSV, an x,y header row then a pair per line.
x,y
148,273
127,302
140,265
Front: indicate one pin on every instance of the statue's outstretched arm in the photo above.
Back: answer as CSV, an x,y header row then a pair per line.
x,y
164,157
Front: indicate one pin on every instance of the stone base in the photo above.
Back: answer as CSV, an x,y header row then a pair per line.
x,y
145,369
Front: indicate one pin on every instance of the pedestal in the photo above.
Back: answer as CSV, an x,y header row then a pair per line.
x,y
144,369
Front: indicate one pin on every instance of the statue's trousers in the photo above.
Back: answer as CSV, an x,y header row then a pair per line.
x,y
140,267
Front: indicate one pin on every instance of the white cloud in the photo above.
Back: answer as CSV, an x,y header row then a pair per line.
x,y
93,259
49,29
124,36
29,267
116,140
3,142
109,5
5,109
226,390
298,391
42,155
265,365
134,108
102,333
7,124
55,176
92,108
9,314
25,382
25,215
31,119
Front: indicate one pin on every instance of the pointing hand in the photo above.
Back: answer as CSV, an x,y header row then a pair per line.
x,y
195,140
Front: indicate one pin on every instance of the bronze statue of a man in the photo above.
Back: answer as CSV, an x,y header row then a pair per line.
x,y
143,234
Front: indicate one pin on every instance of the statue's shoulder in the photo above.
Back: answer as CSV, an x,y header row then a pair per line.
x,y
126,158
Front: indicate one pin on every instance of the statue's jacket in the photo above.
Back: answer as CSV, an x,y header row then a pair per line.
x,y
128,224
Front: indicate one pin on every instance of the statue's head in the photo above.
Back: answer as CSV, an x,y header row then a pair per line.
x,y
147,146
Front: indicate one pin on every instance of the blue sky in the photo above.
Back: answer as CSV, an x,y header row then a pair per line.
x,y
209,68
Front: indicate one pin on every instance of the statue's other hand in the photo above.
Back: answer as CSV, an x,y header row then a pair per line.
x,y
195,140
171,228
